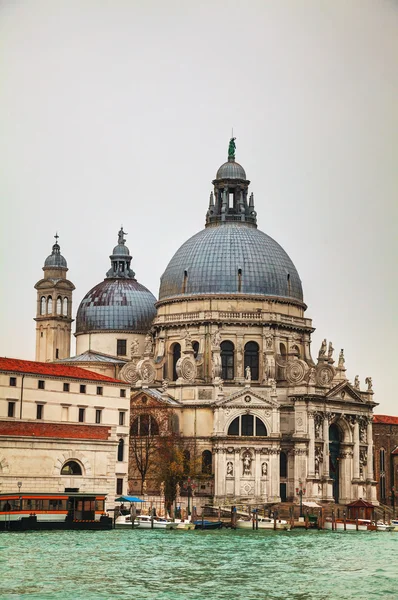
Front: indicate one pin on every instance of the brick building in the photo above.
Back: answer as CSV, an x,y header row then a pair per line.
x,y
385,439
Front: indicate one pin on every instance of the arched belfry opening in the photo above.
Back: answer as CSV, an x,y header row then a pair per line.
x,y
334,454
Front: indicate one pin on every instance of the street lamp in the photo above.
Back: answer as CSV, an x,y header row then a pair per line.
x,y
300,491
190,486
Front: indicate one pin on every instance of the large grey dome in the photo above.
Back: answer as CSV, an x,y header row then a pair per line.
x,y
231,258
116,304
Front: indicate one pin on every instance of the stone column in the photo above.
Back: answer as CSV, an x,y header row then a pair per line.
x,y
326,446
237,472
275,422
311,445
274,476
356,449
369,434
217,473
257,473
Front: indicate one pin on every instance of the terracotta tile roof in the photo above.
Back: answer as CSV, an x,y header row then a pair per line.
x,y
386,419
16,365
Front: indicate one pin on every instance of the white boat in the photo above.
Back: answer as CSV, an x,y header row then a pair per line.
x,y
394,523
142,522
181,524
263,523
384,526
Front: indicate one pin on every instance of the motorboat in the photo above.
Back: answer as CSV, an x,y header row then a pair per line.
x,y
263,523
182,524
394,523
199,524
381,526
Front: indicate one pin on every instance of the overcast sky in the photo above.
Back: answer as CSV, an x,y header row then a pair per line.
x,y
120,112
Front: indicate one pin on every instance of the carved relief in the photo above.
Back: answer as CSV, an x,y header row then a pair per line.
x,y
324,375
186,369
148,345
146,371
230,468
129,372
264,469
363,460
295,371
134,348
363,424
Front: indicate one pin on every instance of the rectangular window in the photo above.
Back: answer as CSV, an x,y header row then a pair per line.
x,y
119,486
66,387
100,390
39,411
13,381
41,384
11,409
122,393
65,413
56,353
81,415
122,417
121,347
82,389
98,415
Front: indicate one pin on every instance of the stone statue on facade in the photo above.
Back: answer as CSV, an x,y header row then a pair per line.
x,y
272,383
165,385
356,382
322,350
216,339
188,340
230,468
369,383
318,459
248,374
134,348
247,463
330,351
311,377
144,487
264,469
341,359
148,345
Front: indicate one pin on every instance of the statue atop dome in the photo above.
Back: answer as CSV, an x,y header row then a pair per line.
x,y
232,148
121,234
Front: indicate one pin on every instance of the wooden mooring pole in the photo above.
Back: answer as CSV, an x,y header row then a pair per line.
x,y
345,520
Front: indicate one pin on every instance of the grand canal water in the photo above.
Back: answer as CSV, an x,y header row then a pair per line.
x,y
199,565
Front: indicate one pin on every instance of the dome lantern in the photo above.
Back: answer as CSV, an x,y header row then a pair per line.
x,y
230,202
120,260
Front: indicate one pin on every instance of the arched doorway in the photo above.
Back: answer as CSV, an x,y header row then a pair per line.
x,y
283,476
334,452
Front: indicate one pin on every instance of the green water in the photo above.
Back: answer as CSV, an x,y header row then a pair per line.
x,y
199,565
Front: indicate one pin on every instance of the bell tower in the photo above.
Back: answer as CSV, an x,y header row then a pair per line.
x,y
54,309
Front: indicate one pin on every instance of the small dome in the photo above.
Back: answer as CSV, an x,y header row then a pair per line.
x,y
231,258
121,249
231,170
56,259
116,304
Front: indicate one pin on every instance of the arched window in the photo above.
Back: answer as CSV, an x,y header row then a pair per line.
x,y
282,349
247,425
65,307
207,459
144,425
195,346
42,305
49,305
59,305
176,358
283,464
251,358
227,360
120,450
382,455
71,468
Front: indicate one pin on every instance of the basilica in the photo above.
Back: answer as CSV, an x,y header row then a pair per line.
x,y
226,348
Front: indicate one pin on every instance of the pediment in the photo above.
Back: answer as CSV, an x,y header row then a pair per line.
x,y
346,392
247,397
